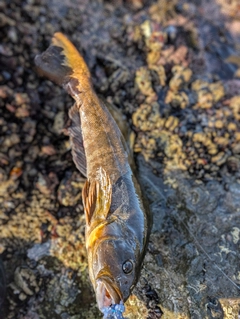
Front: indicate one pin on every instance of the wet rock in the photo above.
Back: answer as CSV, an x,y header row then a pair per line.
x,y
69,191
118,78
180,77
43,184
8,187
24,280
143,81
38,251
11,140
169,67
46,184
65,288
58,124
2,283
48,150
29,127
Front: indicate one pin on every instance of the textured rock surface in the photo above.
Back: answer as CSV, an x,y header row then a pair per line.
x,y
172,68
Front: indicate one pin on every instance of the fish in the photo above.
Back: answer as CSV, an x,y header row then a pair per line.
x,y
116,214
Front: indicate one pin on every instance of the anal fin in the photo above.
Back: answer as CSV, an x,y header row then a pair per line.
x,y
76,140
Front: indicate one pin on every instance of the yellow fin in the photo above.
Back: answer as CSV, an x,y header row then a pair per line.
x,y
89,197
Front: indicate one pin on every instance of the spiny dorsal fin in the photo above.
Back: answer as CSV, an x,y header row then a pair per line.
x,y
97,195
76,140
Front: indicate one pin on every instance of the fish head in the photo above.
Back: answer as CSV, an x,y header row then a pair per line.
x,y
114,271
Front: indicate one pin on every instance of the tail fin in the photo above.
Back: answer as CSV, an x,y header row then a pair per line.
x,y
63,64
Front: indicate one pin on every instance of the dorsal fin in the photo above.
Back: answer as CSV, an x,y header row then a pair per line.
x,y
76,140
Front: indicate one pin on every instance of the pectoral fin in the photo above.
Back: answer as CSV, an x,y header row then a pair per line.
x,y
89,197
97,196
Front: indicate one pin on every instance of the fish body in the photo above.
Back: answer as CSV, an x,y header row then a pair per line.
x,y
117,225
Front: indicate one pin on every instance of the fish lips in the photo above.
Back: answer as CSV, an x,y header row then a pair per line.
x,y
107,292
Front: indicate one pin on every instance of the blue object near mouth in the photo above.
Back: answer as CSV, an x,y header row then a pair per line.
x,y
114,311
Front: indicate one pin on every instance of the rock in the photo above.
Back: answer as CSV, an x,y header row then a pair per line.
x,y
58,124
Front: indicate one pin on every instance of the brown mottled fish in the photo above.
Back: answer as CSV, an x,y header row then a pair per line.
x,y
116,220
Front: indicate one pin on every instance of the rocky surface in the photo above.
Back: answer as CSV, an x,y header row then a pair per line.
x,y
172,68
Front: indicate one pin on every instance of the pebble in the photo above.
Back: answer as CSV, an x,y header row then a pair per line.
x,y
58,124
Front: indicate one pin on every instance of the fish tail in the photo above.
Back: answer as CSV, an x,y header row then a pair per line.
x,y
63,64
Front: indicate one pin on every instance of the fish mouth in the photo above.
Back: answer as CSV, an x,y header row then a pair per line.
x,y
107,292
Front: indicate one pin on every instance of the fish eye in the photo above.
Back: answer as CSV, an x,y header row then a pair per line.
x,y
127,267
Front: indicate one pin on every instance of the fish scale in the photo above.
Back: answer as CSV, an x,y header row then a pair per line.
x,y
110,151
